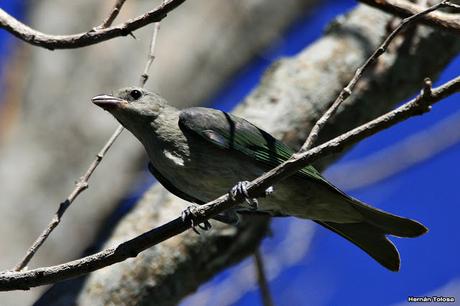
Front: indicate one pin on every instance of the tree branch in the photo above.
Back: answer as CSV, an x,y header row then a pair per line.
x,y
82,184
131,248
399,157
151,53
347,90
94,36
404,8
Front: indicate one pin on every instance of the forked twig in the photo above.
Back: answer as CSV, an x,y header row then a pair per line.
x,y
80,186
404,8
94,36
82,183
347,90
151,54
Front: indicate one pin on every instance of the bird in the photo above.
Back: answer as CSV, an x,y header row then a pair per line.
x,y
200,153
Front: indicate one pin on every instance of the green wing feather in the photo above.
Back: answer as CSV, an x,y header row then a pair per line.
x,y
231,132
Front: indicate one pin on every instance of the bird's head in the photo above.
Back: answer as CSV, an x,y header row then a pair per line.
x,y
131,106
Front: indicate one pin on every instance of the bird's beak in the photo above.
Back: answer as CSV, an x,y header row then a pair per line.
x,y
108,102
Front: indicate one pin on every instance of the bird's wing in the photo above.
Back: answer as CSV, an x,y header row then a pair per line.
x,y
171,188
228,131
227,217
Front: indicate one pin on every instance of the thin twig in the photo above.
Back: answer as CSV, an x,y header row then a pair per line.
x,y
399,157
111,17
92,37
404,9
151,54
82,183
80,186
347,91
262,279
24,280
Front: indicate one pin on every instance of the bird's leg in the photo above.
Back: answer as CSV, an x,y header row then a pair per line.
x,y
189,215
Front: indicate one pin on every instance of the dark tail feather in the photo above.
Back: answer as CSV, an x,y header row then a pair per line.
x,y
371,239
389,223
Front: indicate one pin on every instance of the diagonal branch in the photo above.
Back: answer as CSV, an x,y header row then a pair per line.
x,y
347,90
41,276
404,8
399,157
92,37
82,184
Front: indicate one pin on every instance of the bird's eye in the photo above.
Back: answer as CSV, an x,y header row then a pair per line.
x,y
135,94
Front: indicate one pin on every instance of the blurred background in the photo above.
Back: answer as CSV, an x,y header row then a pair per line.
x,y
212,53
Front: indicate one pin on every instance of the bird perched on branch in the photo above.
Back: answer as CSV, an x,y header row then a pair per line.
x,y
200,153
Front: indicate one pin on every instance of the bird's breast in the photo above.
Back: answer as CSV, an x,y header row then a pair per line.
x,y
205,173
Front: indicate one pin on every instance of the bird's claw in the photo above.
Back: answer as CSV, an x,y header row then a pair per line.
x,y
189,215
242,188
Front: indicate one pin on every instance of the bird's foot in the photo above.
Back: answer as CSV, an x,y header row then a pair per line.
x,y
189,215
242,188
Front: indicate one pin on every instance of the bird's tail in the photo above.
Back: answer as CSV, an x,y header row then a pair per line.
x,y
370,239
388,223
370,235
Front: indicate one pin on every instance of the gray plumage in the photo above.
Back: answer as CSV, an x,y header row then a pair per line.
x,y
200,153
